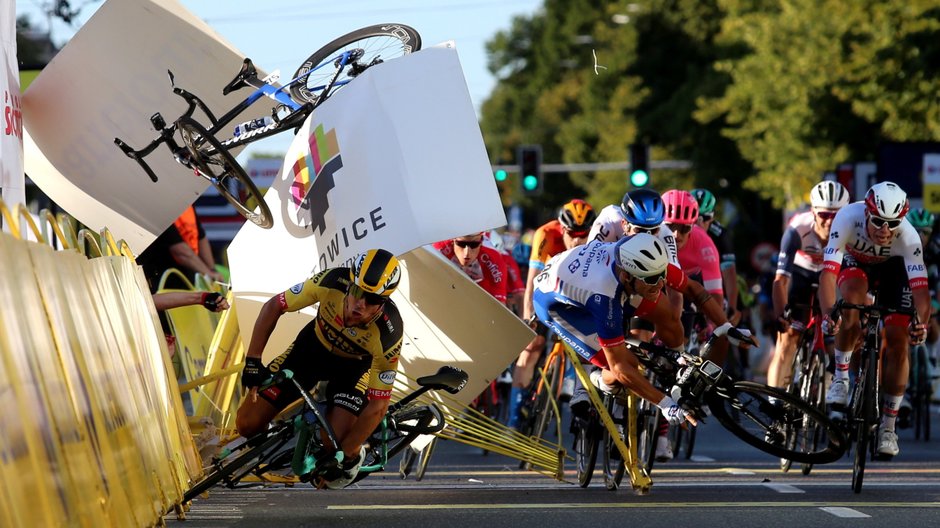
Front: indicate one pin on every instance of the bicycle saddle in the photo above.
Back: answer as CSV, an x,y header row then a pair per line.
x,y
450,379
247,72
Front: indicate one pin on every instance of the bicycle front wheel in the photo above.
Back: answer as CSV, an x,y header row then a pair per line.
x,y
744,409
586,453
214,162
378,43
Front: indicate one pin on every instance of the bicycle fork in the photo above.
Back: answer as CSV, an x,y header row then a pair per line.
x,y
639,478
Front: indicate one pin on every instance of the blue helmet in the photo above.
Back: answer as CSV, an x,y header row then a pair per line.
x,y
643,208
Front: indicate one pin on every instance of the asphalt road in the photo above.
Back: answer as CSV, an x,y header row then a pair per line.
x,y
726,483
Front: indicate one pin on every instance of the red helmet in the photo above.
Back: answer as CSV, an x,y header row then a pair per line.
x,y
887,200
681,207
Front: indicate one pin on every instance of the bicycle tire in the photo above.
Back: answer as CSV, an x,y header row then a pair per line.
x,y
647,428
759,422
813,390
586,455
613,464
399,40
676,434
273,440
793,431
690,442
920,399
424,458
196,138
862,413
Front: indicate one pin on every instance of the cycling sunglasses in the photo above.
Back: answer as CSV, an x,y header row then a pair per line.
x,y
648,230
878,222
653,280
370,298
707,217
472,244
576,234
685,229
826,215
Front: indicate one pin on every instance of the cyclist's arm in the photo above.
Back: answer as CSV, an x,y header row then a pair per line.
x,y
264,325
781,294
706,302
667,322
185,256
528,306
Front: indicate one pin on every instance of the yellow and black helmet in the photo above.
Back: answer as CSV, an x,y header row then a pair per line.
x,y
376,271
577,215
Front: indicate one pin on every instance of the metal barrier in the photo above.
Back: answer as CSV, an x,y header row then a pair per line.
x,y
94,433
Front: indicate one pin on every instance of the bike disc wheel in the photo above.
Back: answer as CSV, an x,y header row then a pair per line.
x,y
380,42
214,163
743,408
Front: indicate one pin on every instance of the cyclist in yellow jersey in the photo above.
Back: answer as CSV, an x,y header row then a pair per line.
x,y
353,342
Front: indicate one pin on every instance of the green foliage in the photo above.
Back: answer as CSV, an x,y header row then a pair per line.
x,y
762,96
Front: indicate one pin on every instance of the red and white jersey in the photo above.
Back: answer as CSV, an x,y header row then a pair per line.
x,y
609,228
849,234
700,256
488,270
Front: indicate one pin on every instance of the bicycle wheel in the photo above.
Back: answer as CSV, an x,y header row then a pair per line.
x,y
920,398
613,463
813,390
249,456
586,453
690,442
793,431
378,43
862,417
647,427
410,422
425,458
761,424
213,162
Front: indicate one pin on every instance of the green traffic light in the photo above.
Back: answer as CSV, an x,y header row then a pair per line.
x,y
530,182
501,175
639,178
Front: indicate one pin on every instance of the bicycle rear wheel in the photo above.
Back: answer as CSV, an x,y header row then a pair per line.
x,y
214,162
613,463
378,43
743,408
920,398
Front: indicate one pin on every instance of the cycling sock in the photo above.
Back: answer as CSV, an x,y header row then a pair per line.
x,y
515,402
663,429
842,364
890,411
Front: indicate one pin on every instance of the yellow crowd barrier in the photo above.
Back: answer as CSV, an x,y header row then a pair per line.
x,y
93,432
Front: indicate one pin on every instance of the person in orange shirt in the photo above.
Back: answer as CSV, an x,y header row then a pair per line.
x,y
182,245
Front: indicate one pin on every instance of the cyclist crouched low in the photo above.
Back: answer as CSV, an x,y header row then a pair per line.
x,y
353,342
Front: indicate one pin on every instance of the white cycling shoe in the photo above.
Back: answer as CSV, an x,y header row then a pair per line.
x,y
349,474
838,393
888,443
663,449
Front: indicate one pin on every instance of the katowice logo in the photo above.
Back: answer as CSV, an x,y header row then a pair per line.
x,y
313,178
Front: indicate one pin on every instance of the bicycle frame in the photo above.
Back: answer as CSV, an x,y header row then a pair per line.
x,y
247,76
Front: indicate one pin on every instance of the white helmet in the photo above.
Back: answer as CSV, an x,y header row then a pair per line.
x,y
642,255
829,195
887,200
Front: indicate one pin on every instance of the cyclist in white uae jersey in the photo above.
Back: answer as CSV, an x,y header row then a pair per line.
x,y
583,295
872,247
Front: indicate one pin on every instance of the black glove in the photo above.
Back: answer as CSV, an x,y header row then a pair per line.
x,y
254,373
211,300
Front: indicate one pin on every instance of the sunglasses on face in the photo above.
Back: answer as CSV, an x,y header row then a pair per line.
x,y
472,244
707,217
826,215
680,228
877,222
653,280
370,298
576,234
649,230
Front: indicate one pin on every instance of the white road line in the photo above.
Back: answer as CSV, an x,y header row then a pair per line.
x,y
847,513
733,471
701,458
783,488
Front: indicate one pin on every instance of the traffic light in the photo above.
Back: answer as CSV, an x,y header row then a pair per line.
x,y
500,175
530,169
639,164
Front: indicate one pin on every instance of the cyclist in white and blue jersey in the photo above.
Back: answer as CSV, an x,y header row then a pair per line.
x,y
585,294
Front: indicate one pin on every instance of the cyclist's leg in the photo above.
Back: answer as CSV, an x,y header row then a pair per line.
x,y
853,286
893,292
780,371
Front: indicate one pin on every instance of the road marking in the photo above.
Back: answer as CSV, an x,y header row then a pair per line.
x,y
842,508
701,458
783,488
736,471
847,513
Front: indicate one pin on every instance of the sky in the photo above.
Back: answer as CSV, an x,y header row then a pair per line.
x,y
280,34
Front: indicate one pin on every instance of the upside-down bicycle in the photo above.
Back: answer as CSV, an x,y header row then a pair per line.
x,y
199,148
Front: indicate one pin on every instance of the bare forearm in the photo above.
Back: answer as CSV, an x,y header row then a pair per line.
x,y
264,325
